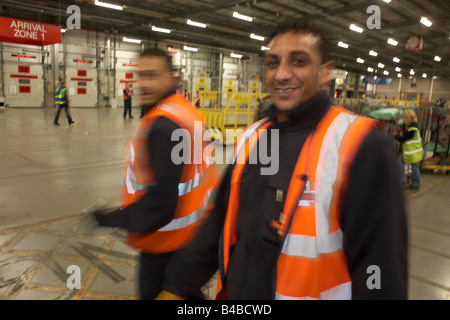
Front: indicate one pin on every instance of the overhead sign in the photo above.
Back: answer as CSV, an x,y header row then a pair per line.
x,y
372,80
414,43
27,32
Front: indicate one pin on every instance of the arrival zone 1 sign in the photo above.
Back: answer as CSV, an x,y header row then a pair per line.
x,y
27,32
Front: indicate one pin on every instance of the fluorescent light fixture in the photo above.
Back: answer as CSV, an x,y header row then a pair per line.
x,y
380,65
411,72
359,60
399,75
108,5
196,24
263,48
387,1
242,17
234,55
186,48
256,37
385,72
424,75
437,58
356,28
160,29
426,22
370,69
395,59
392,42
373,53
397,69
125,39
342,44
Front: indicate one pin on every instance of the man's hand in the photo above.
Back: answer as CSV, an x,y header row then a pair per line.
x,y
166,295
107,217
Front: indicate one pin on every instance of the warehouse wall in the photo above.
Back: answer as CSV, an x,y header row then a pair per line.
x,y
96,67
441,88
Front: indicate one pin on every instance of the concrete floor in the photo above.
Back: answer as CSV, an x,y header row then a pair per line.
x,y
49,174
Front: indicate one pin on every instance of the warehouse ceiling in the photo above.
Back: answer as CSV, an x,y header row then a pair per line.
x,y
399,19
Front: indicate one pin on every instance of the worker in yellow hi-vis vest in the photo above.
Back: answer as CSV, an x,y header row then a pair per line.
x,y
62,101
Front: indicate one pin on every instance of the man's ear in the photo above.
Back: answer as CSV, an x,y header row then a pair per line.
x,y
325,72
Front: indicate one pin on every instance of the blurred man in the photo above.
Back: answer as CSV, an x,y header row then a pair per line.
x,y
62,101
163,200
329,224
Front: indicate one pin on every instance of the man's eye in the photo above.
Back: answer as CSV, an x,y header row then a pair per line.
x,y
271,64
299,62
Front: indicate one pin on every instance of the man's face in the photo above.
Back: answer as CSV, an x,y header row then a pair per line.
x,y
155,79
294,70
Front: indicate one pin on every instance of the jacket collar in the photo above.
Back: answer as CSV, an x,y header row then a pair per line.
x,y
305,116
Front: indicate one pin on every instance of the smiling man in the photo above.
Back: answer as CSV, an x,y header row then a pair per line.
x,y
319,226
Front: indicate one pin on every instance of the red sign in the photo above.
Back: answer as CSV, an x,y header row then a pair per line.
x,y
24,69
27,32
24,89
414,43
81,90
82,73
128,75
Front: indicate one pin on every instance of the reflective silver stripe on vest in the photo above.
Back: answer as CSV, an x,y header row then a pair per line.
x,y
188,186
340,292
325,178
191,218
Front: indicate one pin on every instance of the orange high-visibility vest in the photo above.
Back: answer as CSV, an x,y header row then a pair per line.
x,y
312,264
197,181
125,97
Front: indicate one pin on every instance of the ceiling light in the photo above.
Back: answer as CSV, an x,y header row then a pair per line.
x,y
234,55
370,69
387,1
263,48
160,29
342,45
392,42
125,39
425,22
196,24
64,31
186,48
242,17
397,69
437,58
411,72
256,37
373,53
356,28
424,75
395,59
108,5
385,72
359,60
399,75
380,65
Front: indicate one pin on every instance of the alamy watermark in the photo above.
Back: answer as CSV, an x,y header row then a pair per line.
x,y
181,152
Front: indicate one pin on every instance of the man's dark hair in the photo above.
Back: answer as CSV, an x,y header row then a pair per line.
x,y
300,26
156,52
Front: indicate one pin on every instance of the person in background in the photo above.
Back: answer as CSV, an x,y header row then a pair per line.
x,y
330,223
127,96
411,147
62,101
163,198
